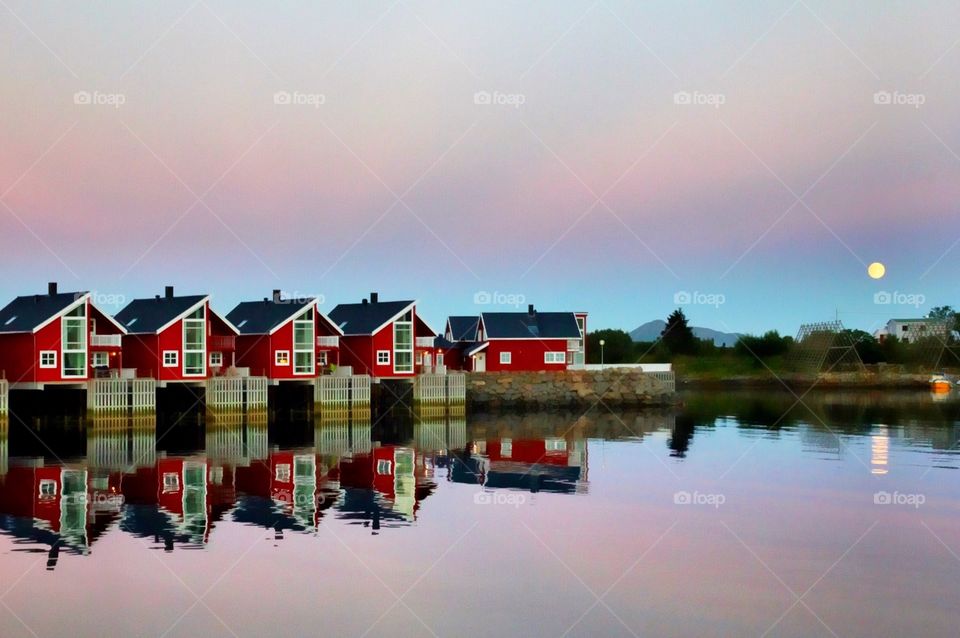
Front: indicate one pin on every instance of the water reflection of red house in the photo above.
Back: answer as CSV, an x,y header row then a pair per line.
x,y
393,473
194,492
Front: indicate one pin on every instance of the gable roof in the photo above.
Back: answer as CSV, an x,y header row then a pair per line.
x,y
29,313
367,318
463,328
523,325
151,316
263,317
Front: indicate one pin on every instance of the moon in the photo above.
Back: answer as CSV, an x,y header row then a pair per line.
x,y
876,270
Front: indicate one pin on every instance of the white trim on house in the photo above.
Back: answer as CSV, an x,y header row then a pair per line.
x,y
550,356
192,309
81,299
219,362
276,358
509,360
296,313
223,318
391,319
384,363
176,359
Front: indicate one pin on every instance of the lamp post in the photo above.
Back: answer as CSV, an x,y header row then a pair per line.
x,y
602,343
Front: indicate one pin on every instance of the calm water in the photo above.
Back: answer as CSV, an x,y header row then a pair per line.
x,y
737,515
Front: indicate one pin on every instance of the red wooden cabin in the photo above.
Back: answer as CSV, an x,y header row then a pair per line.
x,y
59,338
285,339
174,338
530,341
380,337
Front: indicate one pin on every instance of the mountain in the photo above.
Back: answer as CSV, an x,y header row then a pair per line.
x,y
651,330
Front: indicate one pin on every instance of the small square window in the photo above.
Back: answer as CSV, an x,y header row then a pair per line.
x,y
216,359
322,358
171,482
282,472
101,360
171,358
48,488
48,359
383,357
506,357
282,357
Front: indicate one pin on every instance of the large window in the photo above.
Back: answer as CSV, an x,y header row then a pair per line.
x,y
403,343
195,343
554,357
74,328
303,343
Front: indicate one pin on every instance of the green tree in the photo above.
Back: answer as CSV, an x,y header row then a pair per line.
x,y
866,345
948,314
617,346
677,334
771,344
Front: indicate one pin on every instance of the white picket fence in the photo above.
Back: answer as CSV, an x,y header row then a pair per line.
x,y
668,378
237,392
116,394
443,389
4,396
342,391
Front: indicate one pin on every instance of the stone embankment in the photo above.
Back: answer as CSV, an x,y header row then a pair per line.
x,y
569,388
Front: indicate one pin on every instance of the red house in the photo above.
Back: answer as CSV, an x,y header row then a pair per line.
x,y
174,338
381,338
285,339
517,341
59,337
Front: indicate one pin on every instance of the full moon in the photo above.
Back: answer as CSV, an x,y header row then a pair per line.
x,y
876,270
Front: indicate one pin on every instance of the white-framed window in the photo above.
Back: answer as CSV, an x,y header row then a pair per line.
x,y
101,360
420,358
48,488
322,358
384,466
304,342
171,482
555,444
506,448
282,472
403,343
74,334
195,343
171,358
48,358
554,357
281,357
506,358
383,357
216,359
439,358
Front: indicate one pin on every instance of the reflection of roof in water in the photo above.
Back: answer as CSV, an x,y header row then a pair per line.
x,y
514,475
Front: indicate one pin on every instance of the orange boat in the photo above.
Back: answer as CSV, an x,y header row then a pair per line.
x,y
940,383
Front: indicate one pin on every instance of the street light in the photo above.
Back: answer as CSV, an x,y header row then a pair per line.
x,y
602,343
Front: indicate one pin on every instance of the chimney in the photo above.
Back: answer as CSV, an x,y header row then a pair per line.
x,y
168,292
363,301
52,288
374,297
531,310
276,295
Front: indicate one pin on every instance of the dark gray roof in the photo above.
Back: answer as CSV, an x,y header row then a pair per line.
x,y
464,328
522,325
260,317
25,313
149,315
364,318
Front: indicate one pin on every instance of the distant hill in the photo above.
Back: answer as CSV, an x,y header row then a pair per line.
x,y
651,330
